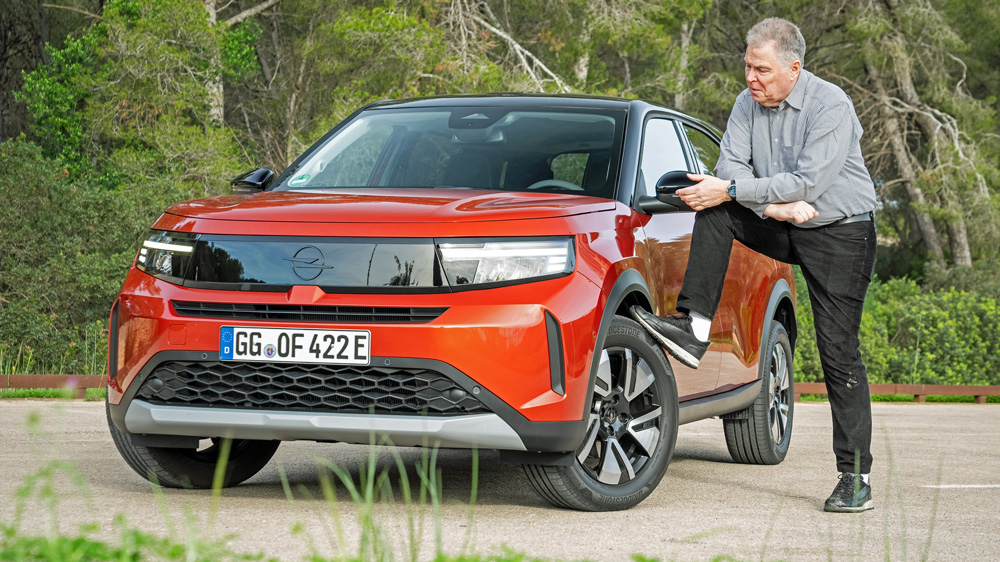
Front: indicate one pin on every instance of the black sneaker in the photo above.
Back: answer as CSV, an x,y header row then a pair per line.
x,y
675,333
851,495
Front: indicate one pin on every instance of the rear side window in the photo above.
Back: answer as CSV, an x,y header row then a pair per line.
x,y
706,149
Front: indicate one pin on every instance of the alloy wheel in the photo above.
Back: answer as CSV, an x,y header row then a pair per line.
x,y
624,423
778,395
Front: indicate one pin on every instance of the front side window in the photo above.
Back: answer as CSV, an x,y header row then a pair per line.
x,y
662,152
497,148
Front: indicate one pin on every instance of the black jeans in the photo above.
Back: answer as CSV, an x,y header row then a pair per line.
x,y
837,262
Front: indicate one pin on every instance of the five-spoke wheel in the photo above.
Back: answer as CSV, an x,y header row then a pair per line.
x,y
631,428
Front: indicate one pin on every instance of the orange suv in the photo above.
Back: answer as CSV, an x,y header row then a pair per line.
x,y
450,272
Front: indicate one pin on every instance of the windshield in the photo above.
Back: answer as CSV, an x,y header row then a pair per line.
x,y
501,148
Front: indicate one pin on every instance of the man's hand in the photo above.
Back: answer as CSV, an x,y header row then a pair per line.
x,y
708,192
798,211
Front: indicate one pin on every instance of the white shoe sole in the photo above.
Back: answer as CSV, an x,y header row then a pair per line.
x,y
675,350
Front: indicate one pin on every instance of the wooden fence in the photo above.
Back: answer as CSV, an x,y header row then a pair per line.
x,y
920,392
79,383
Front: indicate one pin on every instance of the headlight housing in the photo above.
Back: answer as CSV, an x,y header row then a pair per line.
x,y
506,261
166,254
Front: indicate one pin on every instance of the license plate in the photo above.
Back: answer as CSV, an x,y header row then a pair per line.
x,y
285,345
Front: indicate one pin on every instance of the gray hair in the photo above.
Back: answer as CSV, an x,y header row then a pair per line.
x,y
789,44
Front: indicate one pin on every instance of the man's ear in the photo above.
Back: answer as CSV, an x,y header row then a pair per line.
x,y
796,67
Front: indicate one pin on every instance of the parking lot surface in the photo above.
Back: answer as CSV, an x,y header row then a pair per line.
x,y
936,485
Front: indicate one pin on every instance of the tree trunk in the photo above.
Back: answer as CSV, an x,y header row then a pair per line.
x,y
627,81
931,128
582,67
687,31
925,225
958,238
43,36
216,109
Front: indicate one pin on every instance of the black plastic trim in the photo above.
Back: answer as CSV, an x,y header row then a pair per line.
x,y
557,370
630,281
555,437
718,404
113,341
308,313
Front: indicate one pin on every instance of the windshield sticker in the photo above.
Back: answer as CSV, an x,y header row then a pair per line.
x,y
299,180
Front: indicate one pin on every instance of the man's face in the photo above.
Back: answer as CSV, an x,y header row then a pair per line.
x,y
770,81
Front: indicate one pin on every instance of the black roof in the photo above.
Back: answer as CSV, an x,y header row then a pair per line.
x,y
509,98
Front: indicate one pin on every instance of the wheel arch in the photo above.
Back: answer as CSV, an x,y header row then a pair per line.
x,y
629,289
781,307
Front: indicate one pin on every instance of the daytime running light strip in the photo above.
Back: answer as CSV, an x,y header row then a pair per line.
x,y
168,247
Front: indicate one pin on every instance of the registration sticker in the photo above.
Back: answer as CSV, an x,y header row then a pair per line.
x,y
293,345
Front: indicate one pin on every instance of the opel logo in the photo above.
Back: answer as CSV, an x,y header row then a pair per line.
x,y
308,263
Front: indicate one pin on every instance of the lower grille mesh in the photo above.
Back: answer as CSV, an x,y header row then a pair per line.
x,y
326,388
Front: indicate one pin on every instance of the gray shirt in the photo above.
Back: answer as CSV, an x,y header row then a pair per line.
x,y
807,149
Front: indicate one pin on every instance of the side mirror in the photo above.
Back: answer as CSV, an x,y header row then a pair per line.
x,y
252,181
672,181
667,200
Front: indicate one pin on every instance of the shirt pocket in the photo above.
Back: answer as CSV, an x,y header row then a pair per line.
x,y
789,158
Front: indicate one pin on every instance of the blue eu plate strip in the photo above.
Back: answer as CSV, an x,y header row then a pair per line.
x,y
226,342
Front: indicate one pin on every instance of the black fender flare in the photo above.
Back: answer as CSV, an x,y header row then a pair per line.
x,y
628,283
779,292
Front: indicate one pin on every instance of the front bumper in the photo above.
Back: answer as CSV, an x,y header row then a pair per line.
x,y
502,353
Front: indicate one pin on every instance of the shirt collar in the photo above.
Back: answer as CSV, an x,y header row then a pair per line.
x,y
798,94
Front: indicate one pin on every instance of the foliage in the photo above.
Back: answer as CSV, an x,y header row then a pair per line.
x,y
59,240
916,335
123,106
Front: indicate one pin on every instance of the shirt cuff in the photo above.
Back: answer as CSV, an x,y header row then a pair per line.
x,y
746,190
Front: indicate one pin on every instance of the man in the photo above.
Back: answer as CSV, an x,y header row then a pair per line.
x,y
791,184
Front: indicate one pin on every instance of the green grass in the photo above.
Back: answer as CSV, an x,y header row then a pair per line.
x,y
92,394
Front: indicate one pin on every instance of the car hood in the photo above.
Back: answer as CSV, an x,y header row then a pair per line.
x,y
385,205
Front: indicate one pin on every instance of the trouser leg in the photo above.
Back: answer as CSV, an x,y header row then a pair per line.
x,y
715,229
837,263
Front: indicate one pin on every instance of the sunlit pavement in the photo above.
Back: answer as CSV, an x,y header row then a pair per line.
x,y
936,485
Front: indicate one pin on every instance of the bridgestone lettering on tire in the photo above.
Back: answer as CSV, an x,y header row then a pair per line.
x,y
192,468
763,436
631,429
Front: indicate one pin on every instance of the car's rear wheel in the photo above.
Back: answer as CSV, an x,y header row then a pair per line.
x,y
631,429
761,434
193,467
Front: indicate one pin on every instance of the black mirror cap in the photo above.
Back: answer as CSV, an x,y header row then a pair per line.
x,y
672,181
253,181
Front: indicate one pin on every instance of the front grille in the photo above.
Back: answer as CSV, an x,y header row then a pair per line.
x,y
326,388
309,313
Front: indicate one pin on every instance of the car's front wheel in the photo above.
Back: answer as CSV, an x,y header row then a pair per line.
x,y
193,467
631,429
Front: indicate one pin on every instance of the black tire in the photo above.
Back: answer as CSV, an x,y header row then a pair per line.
x,y
761,433
636,425
192,468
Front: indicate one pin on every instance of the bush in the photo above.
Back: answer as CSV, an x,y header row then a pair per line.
x,y
69,246
915,335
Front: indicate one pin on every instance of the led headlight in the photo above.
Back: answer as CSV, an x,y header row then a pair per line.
x,y
506,261
166,254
